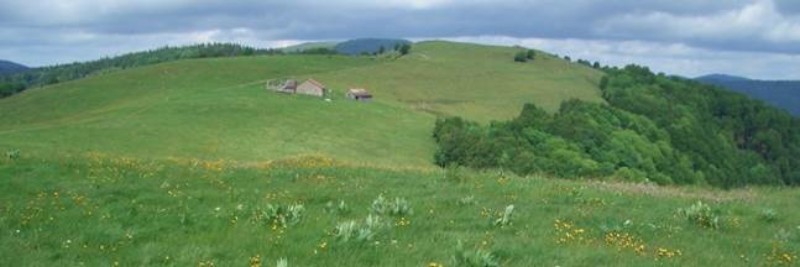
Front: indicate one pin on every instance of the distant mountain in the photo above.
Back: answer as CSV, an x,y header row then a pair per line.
x,y
783,94
308,46
722,78
368,45
8,67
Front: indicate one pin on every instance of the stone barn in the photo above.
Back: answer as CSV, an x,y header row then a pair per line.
x,y
283,86
311,87
358,94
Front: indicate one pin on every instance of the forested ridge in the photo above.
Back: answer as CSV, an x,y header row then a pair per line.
x,y
17,82
783,94
656,128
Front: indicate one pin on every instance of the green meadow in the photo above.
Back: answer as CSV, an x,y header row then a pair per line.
x,y
218,108
102,210
194,163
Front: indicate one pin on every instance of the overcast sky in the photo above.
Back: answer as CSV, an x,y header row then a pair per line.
x,y
754,38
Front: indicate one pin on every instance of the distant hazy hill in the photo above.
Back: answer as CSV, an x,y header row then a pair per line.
x,y
8,67
784,94
308,46
367,45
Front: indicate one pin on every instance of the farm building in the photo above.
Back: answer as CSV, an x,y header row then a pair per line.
x,y
311,87
358,94
283,86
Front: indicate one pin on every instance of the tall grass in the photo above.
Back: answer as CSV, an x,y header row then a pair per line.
x,y
106,210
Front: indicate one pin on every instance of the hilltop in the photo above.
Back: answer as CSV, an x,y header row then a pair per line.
x,y
369,46
217,108
783,94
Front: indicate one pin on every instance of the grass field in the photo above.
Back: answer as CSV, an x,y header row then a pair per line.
x,y
217,108
104,210
473,81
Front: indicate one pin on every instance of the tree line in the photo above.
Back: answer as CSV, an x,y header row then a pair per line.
x,y
652,128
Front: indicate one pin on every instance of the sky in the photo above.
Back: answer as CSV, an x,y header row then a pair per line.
x,y
753,38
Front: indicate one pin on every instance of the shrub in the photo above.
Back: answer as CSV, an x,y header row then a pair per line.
x,y
530,54
520,57
701,214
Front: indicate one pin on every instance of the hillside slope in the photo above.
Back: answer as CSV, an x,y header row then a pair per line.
x,y
8,67
479,82
782,94
218,109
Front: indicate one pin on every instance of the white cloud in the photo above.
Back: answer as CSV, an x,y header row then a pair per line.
x,y
676,36
670,58
758,20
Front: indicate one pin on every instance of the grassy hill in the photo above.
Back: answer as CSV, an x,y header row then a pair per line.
x,y
218,109
474,81
368,45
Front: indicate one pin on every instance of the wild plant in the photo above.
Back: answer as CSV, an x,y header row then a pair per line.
x,y
768,215
340,208
466,201
398,207
504,218
379,205
701,214
13,154
474,258
282,262
281,216
360,232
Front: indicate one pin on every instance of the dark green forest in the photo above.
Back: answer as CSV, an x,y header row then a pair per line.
x,y
654,128
17,82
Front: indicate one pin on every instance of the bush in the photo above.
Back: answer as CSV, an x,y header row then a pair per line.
x,y
530,54
405,49
520,57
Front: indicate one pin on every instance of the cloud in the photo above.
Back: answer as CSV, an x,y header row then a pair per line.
x,y
31,30
756,26
670,58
